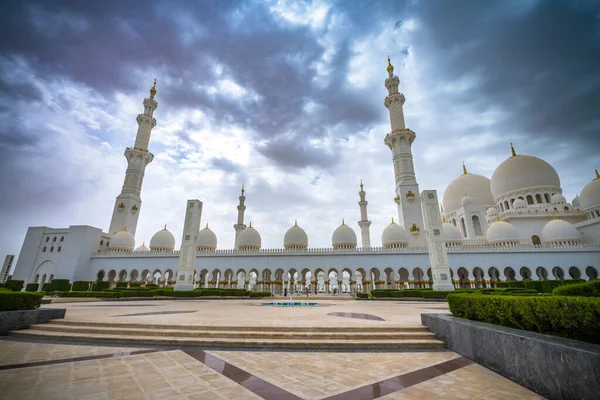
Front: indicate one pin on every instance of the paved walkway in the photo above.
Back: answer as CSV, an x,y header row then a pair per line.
x,y
31,370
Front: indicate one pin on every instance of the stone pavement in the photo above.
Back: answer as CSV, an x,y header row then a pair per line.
x,y
31,369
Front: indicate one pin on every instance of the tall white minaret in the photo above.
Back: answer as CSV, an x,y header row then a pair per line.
x,y
239,227
399,140
364,222
128,203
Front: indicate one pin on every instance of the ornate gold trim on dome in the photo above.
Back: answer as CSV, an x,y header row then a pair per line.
x,y
512,150
390,67
464,168
597,175
153,89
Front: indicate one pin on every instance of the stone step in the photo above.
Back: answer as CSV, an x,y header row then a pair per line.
x,y
173,331
274,328
313,344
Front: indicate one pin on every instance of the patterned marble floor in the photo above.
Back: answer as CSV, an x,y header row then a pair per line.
x,y
62,371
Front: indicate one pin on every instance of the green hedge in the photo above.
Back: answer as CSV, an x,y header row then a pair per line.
x,y
10,301
151,285
46,287
436,294
60,285
89,294
135,284
362,295
100,285
383,293
32,287
121,284
14,285
80,286
571,317
587,289
259,294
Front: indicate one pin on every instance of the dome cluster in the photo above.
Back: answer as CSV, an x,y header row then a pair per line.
x,y
295,238
162,240
207,240
476,187
343,237
394,236
249,239
523,172
122,241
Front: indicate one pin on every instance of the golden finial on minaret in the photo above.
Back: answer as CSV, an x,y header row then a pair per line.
x,y
512,149
243,190
361,185
153,89
464,168
390,67
597,175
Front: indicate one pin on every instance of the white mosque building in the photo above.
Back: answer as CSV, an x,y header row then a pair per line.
x,y
516,225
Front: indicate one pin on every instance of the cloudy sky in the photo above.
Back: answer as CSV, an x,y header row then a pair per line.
x,y
286,97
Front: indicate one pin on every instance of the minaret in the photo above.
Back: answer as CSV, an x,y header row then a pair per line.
x,y
399,140
364,222
128,203
239,227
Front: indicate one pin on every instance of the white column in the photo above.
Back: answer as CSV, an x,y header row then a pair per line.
x,y
364,222
128,203
438,255
400,140
240,226
187,254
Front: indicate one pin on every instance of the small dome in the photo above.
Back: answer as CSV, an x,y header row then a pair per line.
x,y
467,201
477,186
249,239
343,236
502,232
451,233
558,199
122,240
519,204
558,230
492,212
295,237
576,202
162,240
142,249
523,172
590,195
394,236
207,240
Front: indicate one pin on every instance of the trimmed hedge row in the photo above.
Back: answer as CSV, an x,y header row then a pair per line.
x,y
32,287
571,317
10,301
80,286
60,285
167,292
14,285
545,286
259,294
362,295
100,285
587,289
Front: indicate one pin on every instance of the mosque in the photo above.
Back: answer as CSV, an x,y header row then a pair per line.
x,y
516,225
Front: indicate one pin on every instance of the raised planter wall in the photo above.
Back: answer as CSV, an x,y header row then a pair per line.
x,y
22,319
551,366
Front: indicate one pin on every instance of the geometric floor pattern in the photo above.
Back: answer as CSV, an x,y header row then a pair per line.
x,y
65,371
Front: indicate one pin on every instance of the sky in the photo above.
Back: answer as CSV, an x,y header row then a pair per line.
x,y
285,97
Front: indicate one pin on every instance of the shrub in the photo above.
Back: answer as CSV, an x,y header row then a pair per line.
x,y
2,285
80,286
135,284
121,285
548,286
14,285
571,317
46,287
259,294
151,285
32,287
60,285
362,295
100,285
10,301
89,294
587,289
210,292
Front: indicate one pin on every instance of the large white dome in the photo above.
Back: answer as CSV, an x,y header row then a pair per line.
x,y
558,231
451,233
475,186
162,240
295,237
523,172
207,240
519,204
394,236
249,239
122,240
343,236
590,195
502,232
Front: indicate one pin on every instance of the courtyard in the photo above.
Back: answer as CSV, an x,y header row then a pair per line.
x,y
31,367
